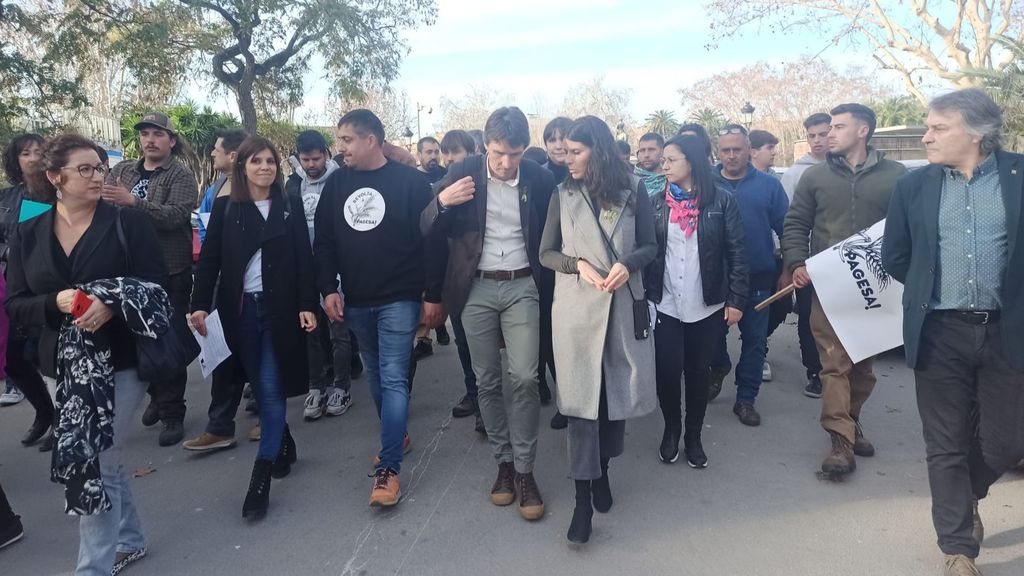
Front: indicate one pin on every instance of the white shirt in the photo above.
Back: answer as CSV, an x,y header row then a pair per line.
x,y
253,279
504,246
683,294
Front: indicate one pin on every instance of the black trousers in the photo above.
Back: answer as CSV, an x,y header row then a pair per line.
x,y
685,348
6,514
808,349
547,352
971,401
169,394
22,356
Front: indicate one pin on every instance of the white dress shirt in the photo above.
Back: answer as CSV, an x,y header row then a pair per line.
x,y
504,247
683,294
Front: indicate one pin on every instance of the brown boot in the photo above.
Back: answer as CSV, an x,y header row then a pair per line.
x,y
503,492
531,506
861,445
840,460
959,565
386,488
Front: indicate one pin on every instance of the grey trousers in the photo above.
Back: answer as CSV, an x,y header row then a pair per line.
x,y
509,309
962,368
330,354
591,441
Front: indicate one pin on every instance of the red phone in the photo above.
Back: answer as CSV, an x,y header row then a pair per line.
x,y
80,303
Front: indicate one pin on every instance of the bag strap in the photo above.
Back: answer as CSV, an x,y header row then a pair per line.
x,y
124,242
607,240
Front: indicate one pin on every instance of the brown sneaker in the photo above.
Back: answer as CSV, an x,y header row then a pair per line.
x,y
208,442
386,491
255,433
531,506
503,492
959,565
406,448
861,445
840,460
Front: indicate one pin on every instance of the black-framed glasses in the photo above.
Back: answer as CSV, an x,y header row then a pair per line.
x,y
725,131
88,170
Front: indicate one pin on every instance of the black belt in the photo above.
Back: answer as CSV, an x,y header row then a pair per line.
x,y
505,275
980,318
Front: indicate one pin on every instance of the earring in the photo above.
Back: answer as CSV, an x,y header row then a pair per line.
x,y
59,195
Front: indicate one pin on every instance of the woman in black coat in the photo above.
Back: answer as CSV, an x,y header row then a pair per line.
x,y
257,244
698,282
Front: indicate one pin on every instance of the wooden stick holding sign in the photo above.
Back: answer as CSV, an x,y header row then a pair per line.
x,y
775,297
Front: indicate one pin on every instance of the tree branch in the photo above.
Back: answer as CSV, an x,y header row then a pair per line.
x,y
227,16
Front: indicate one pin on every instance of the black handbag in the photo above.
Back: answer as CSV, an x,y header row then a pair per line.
x,y
172,350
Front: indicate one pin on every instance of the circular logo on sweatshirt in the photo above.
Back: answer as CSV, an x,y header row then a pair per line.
x,y
364,209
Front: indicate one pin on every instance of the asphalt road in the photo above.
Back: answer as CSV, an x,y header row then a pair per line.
x,y
759,509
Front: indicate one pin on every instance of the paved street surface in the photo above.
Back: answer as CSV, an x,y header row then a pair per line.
x,y
759,509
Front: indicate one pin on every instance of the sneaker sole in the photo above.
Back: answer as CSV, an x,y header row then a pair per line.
x,y
812,395
532,513
210,447
672,461
386,504
19,536
502,498
311,416
695,466
344,409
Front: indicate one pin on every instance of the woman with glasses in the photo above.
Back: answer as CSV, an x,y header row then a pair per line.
x,y
83,242
598,237
698,282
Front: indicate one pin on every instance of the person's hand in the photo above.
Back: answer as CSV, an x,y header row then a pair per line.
x,y
590,275
459,192
617,276
197,320
732,315
785,279
398,154
95,317
334,308
117,194
64,300
801,278
307,320
432,314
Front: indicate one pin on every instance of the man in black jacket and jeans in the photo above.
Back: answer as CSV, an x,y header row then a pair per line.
x,y
952,238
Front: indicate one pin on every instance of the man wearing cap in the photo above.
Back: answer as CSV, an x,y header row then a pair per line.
x,y
166,190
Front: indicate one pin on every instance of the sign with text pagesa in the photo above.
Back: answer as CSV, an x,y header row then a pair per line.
x,y
862,302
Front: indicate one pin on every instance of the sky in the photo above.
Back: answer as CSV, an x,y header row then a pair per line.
x,y
536,50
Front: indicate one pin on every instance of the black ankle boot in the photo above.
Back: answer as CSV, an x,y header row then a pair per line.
x,y
602,490
695,455
580,527
669,449
286,456
258,497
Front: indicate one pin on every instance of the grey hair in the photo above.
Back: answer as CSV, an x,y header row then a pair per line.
x,y
981,115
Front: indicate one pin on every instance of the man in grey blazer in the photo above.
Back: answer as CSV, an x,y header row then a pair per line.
x,y
951,239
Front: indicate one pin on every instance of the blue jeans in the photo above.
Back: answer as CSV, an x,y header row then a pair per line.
x,y
260,364
386,336
102,535
754,345
464,358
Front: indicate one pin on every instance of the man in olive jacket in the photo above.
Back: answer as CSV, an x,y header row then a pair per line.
x,y
835,199
952,238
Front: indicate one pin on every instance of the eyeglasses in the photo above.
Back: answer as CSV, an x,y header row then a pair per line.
x,y
88,170
725,131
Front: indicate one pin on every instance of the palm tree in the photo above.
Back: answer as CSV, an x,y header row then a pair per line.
x,y
709,118
1005,88
662,122
899,111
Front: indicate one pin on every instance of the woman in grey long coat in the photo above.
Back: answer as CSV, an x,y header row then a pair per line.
x,y
598,238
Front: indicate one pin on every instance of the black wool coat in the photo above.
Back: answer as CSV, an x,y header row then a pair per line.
x,y
236,231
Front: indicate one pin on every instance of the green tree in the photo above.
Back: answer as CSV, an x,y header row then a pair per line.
x,y
1006,87
899,111
662,122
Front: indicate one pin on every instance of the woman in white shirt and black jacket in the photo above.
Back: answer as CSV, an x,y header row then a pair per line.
x,y
698,282
257,244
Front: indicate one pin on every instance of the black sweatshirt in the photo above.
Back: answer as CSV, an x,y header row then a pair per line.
x,y
367,231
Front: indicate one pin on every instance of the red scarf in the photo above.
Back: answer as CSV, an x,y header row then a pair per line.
x,y
683,212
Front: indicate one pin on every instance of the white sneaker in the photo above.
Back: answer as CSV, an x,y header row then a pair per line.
x,y
314,407
766,372
11,396
338,402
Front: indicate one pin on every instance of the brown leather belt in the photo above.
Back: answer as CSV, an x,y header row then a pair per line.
x,y
980,318
504,275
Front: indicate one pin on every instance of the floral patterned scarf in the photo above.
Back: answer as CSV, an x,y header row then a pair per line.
x,y
683,209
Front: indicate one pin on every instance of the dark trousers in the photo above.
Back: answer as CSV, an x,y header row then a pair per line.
x,y
547,352
808,349
330,354
169,394
6,514
962,367
685,348
462,345
21,369
780,309
225,396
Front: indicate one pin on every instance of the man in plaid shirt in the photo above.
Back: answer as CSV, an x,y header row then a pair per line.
x,y
166,189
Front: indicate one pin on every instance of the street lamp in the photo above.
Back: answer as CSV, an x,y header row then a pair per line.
x,y
748,114
408,137
420,108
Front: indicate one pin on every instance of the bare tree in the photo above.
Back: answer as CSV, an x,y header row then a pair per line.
x,y
471,111
595,98
914,38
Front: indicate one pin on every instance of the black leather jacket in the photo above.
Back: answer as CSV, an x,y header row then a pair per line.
x,y
10,208
723,263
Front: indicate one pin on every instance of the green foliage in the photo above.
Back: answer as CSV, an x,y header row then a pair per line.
x,y
899,111
662,122
1006,88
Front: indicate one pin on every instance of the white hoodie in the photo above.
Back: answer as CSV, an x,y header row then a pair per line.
x,y
792,176
310,190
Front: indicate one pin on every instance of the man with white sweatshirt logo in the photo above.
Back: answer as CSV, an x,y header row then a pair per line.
x,y
333,356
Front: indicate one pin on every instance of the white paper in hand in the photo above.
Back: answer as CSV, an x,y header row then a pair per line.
x,y
213,349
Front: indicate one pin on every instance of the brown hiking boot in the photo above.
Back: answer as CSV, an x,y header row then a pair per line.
x,y
207,442
840,460
531,506
861,445
386,491
503,492
959,565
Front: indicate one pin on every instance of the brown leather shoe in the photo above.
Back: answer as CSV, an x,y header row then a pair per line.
x,y
840,460
531,506
861,445
255,433
207,442
386,490
503,492
959,565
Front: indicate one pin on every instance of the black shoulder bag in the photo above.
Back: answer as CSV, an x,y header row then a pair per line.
x,y
170,351
641,312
